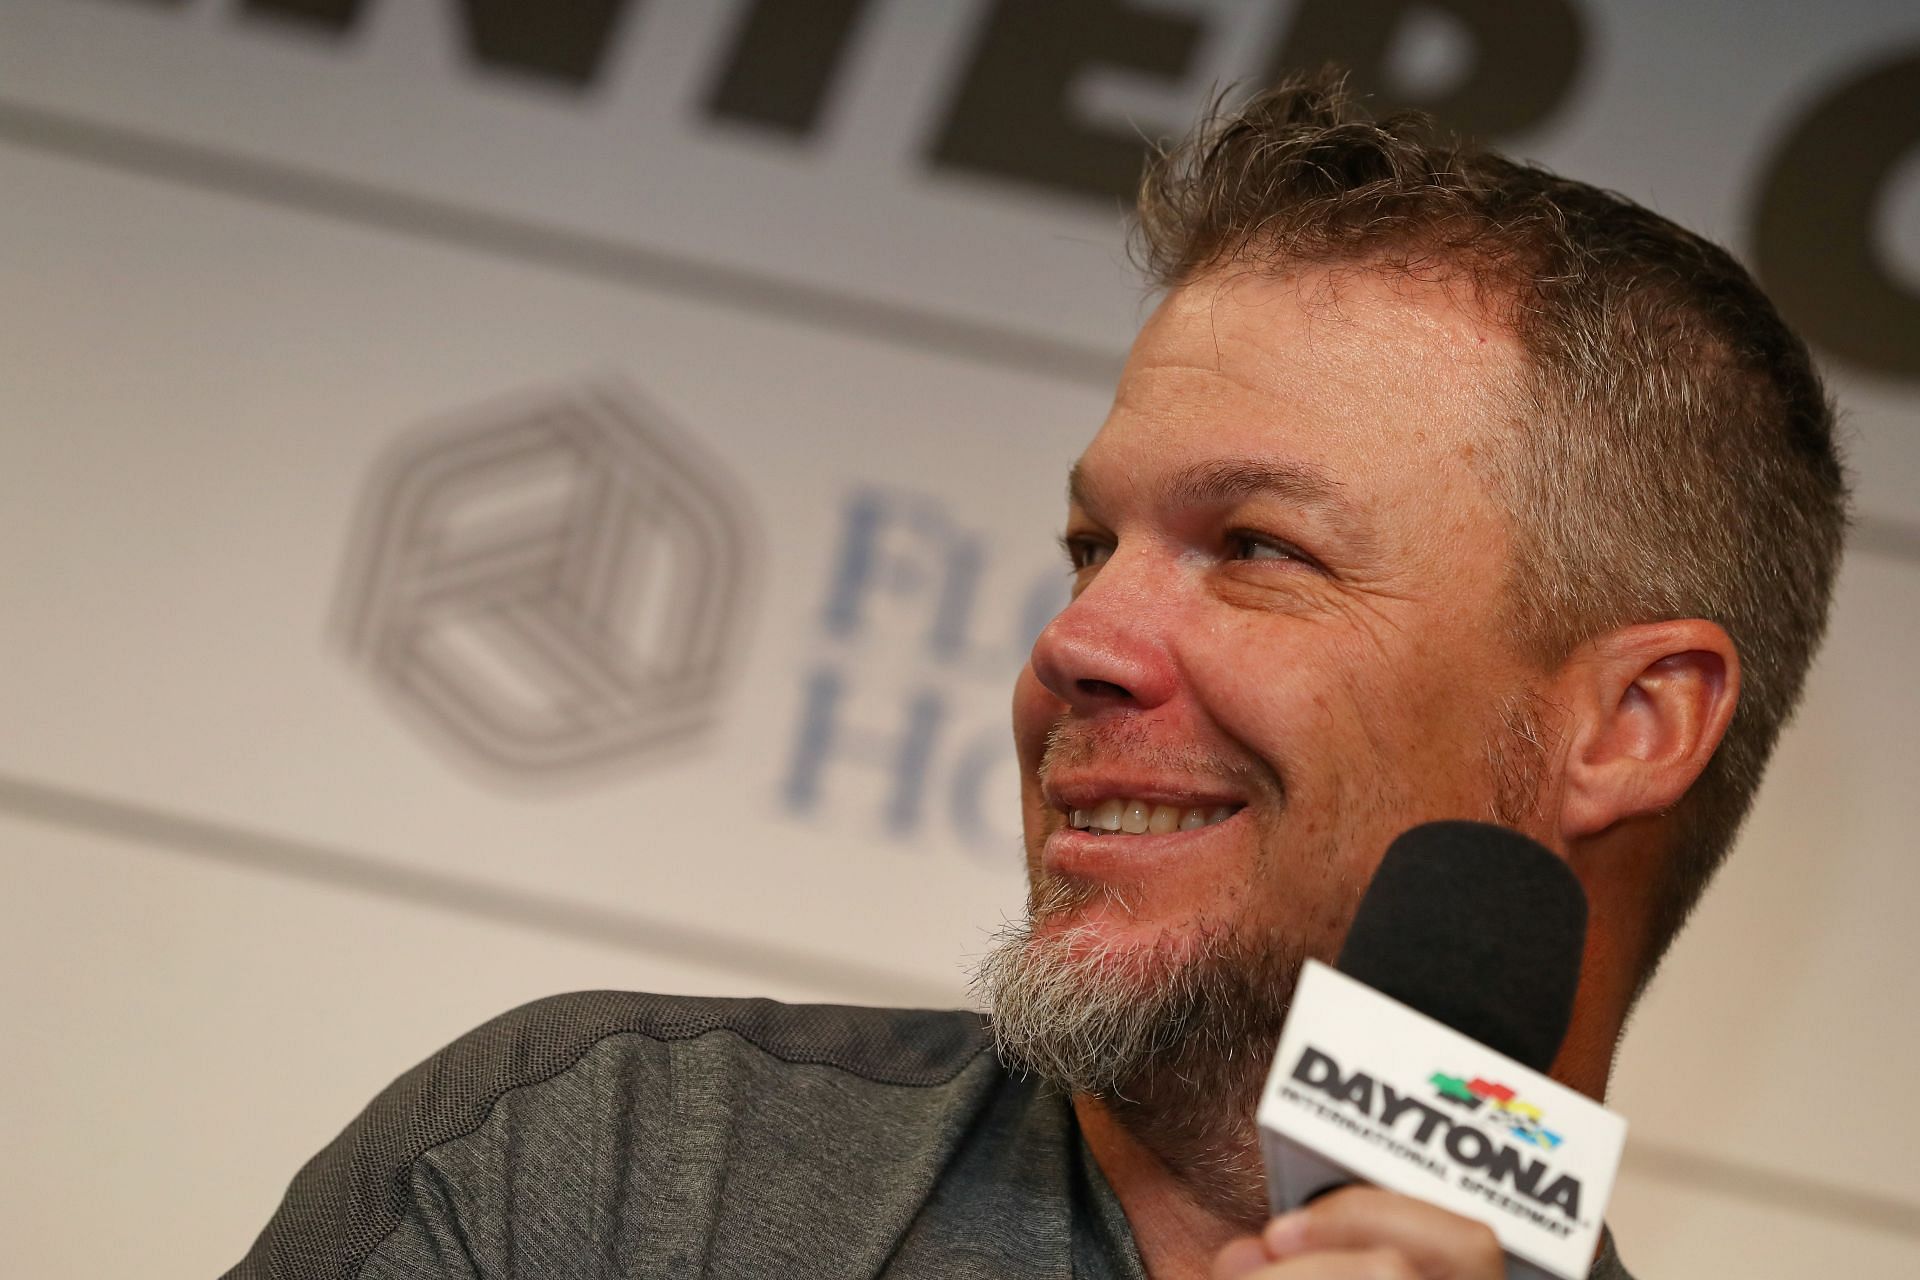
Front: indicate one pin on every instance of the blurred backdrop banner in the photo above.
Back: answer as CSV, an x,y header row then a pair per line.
x,y
501,497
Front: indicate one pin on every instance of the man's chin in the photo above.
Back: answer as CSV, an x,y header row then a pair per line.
x,y
1095,997
1074,1005
1107,932
1099,941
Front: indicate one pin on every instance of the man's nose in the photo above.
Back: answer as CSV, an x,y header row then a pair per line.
x,y
1110,648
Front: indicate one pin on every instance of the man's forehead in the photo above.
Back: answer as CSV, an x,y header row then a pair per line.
x,y
1335,319
1304,390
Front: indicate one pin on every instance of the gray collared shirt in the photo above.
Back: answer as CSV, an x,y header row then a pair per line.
x,y
611,1134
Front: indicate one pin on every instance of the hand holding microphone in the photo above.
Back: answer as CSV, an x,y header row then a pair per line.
x,y
1418,1066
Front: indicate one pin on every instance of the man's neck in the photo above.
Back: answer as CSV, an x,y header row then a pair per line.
x,y
1181,1211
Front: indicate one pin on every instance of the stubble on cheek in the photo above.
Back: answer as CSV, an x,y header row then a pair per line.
x,y
1304,882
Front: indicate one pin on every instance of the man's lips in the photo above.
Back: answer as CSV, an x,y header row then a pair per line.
x,y
1066,793
1114,820
1103,855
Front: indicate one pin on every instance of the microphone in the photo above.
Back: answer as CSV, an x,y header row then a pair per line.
x,y
1418,1064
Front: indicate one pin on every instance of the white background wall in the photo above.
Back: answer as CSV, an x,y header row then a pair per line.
x,y
246,883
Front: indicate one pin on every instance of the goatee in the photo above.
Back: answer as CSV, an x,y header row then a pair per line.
x,y
1174,1039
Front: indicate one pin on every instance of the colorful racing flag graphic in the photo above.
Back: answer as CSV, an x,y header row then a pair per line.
x,y
1504,1107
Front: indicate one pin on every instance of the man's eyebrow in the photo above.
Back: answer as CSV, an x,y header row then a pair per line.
x,y
1079,488
1224,480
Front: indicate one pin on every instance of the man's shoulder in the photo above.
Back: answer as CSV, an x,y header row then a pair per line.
x,y
559,1066
621,1088
886,1046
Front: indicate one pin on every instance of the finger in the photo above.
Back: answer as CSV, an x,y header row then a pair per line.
x,y
1243,1257
1343,1264
1439,1244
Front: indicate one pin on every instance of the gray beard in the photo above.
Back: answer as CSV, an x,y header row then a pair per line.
x,y
1176,1046
1176,1043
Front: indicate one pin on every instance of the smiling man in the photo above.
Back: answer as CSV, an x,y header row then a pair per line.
x,y
1436,487
1288,643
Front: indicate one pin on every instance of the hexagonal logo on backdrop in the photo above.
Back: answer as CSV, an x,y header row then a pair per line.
x,y
550,583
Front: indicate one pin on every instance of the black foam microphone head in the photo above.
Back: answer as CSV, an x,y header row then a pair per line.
x,y
1478,927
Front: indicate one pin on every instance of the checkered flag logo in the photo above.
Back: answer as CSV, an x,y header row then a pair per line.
x,y
550,583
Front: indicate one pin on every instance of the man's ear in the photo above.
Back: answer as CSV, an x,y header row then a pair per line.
x,y
1647,705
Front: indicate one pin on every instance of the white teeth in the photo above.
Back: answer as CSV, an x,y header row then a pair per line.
x,y
1140,817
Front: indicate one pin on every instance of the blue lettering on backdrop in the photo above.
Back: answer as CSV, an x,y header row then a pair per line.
x,y
903,756
938,556
903,716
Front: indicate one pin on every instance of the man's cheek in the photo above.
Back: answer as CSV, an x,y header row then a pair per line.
x,y
1035,712
1279,708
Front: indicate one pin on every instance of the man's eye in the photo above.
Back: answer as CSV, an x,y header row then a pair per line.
x,y
1085,553
1258,546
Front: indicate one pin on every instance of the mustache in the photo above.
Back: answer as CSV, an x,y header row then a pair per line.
x,y
1072,745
